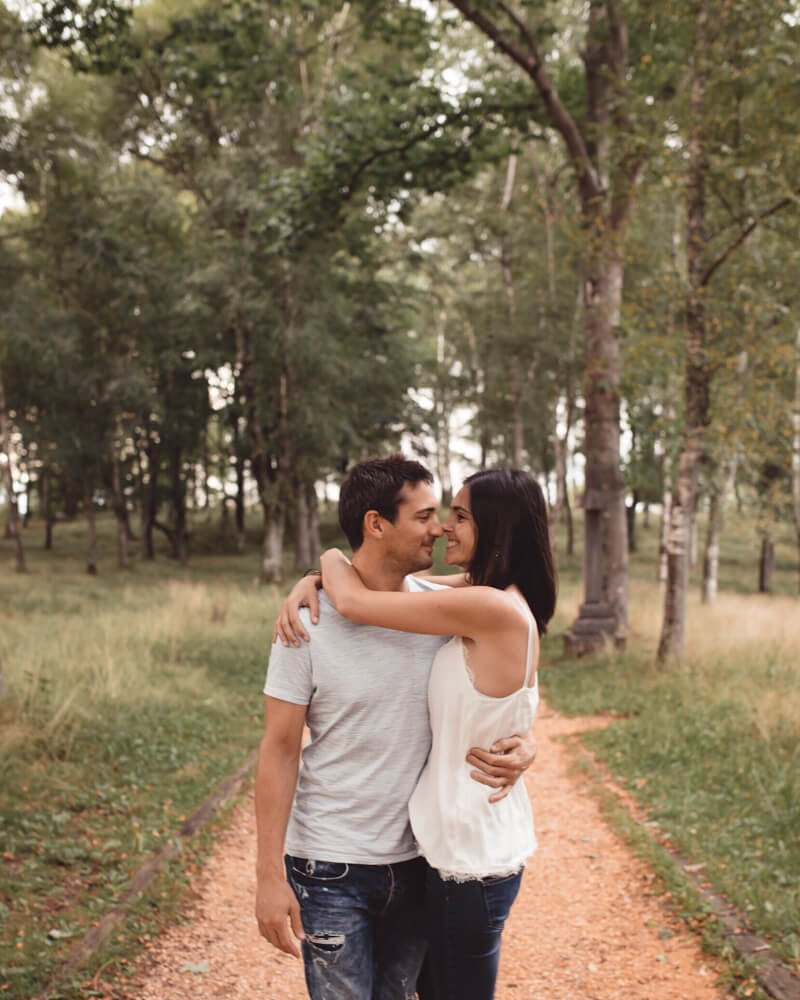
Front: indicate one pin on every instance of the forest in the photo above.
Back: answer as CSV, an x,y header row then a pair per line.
x,y
252,244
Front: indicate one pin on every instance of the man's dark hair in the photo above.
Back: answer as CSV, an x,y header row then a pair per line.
x,y
513,538
375,484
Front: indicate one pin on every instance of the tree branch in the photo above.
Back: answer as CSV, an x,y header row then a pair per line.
x,y
530,62
425,133
522,25
748,230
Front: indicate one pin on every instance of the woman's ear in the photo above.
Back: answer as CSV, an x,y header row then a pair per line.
x,y
373,524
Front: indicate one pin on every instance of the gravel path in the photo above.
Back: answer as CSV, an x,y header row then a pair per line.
x,y
587,924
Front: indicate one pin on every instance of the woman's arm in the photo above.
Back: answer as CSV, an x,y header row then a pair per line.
x,y
451,580
467,611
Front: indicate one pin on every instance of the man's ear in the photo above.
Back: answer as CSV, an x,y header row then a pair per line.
x,y
373,524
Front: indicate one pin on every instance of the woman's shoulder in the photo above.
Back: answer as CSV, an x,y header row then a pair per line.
x,y
509,606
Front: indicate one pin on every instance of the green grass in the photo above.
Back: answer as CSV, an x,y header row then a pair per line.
x,y
710,746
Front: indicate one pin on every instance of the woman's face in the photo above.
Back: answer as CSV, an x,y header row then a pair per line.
x,y
460,531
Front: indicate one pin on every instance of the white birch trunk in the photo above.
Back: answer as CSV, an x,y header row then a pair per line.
x,y
13,528
666,513
716,510
796,449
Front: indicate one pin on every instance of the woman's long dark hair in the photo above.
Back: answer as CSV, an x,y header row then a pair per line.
x,y
513,538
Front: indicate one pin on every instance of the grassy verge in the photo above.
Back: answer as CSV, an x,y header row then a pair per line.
x,y
711,746
127,697
678,891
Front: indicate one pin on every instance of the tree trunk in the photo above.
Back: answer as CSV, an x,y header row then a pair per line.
x,y
178,498
693,543
570,527
630,516
205,502
120,512
313,525
563,508
91,523
149,473
240,485
604,486
796,450
514,374
272,476
666,513
442,417
302,532
518,416
12,524
46,500
272,544
766,565
716,509
697,374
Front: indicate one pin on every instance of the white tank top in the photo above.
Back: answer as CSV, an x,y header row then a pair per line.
x,y
459,832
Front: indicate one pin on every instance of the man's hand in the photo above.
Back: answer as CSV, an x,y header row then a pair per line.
x,y
504,762
277,910
288,627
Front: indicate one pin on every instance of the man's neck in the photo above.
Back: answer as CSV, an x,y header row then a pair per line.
x,y
377,572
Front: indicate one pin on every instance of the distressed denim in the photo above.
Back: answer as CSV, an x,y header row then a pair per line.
x,y
464,923
363,926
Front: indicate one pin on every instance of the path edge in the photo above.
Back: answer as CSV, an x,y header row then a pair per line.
x,y
774,976
94,939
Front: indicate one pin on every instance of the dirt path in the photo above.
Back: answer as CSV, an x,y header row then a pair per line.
x,y
586,926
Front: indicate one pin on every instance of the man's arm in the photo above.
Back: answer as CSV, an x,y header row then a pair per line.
x,y
277,908
503,763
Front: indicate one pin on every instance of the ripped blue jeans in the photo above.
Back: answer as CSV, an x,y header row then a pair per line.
x,y
364,927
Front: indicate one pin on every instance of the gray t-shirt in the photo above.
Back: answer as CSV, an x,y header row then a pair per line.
x,y
367,694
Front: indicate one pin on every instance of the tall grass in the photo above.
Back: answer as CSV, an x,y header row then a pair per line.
x,y
744,648
61,669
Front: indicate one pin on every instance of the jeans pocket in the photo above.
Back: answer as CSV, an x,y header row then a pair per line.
x,y
498,897
311,870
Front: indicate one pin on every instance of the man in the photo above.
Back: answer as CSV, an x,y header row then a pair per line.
x,y
350,886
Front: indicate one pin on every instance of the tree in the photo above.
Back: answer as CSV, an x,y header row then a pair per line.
x,y
607,157
725,39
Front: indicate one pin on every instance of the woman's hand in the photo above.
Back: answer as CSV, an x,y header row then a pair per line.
x,y
288,626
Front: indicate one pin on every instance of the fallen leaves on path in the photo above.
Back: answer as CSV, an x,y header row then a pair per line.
x,y
587,925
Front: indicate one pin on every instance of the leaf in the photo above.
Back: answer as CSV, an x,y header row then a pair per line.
x,y
196,967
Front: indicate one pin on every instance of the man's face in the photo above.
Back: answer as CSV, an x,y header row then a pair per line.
x,y
409,541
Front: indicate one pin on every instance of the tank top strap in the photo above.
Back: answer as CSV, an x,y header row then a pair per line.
x,y
529,651
529,654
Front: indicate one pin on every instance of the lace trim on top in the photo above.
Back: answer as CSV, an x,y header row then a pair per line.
x,y
462,877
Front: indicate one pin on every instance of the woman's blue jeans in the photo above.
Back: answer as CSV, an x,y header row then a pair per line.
x,y
464,923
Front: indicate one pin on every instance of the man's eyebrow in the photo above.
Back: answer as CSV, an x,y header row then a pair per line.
x,y
425,510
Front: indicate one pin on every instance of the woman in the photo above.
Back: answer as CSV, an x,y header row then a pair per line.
x,y
483,684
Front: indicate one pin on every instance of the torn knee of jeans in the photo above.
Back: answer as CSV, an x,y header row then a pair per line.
x,y
326,941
